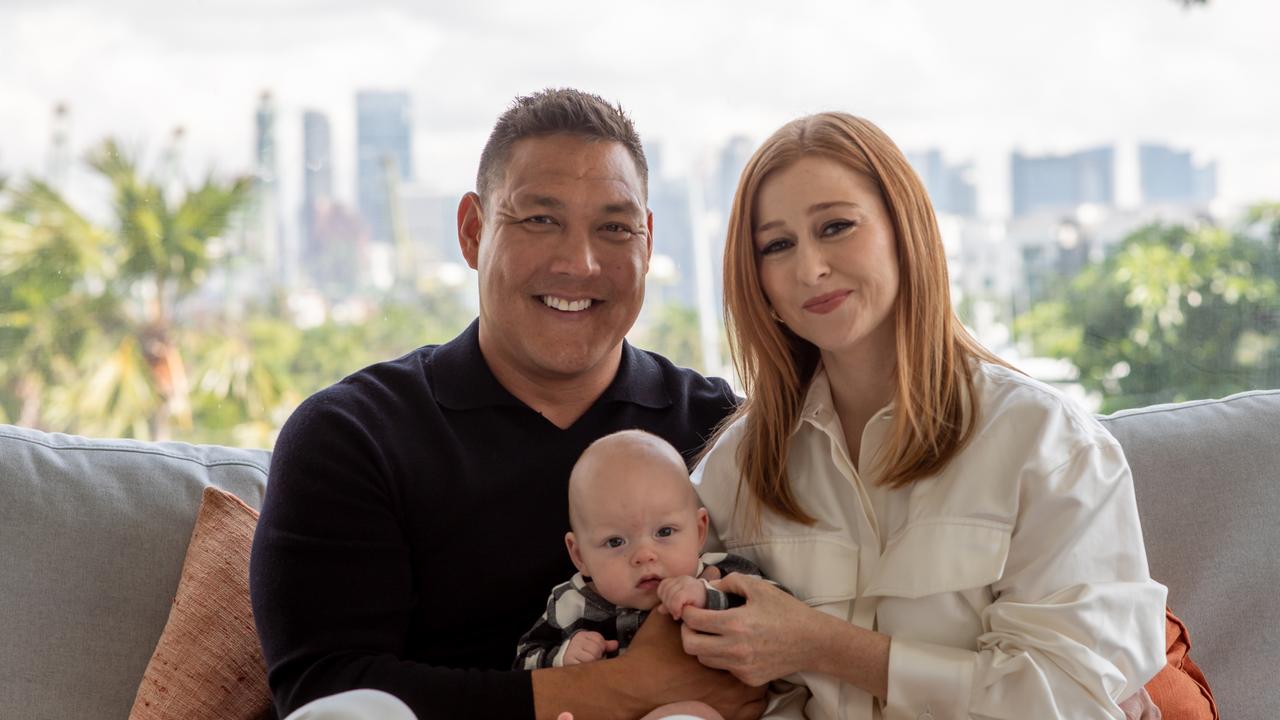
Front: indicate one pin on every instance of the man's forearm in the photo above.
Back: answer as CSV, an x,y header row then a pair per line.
x,y
431,692
592,690
655,671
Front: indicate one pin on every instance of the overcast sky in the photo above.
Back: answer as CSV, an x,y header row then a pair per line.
x,y
977,79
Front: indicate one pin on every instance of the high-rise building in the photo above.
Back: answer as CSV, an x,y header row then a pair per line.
x,y
431,222
672,271
265,229
342,261
950,186
317,167
730,163
59,159
1063,182
384,156
328,234
673,237
1168,175
733,158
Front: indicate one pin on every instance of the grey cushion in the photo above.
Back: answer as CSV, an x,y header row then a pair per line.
x,y
92,538
1207,477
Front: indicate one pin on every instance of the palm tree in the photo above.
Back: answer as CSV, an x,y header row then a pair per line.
x,y
54,298
91,317
164,255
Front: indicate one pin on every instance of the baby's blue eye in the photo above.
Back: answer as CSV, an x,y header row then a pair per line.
x,y
613,542
666,532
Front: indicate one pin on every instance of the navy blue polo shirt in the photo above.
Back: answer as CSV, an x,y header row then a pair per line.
x,y
414,524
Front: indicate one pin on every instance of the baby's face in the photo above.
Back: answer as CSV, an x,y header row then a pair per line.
x,y
634,529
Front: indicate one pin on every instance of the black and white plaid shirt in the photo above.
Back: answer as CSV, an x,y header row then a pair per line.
x,y
575,606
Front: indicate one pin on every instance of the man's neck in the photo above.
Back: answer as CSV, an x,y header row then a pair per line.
x,y
560,399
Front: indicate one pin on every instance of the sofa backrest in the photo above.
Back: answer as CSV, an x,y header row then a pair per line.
x,y
92,538
93,534
1207,478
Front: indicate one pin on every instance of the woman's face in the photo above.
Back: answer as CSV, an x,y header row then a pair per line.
x,y
827,256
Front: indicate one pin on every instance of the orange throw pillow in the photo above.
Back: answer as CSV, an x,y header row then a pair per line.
x,y
1180,689
208,663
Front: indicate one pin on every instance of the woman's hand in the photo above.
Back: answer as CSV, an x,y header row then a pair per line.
x,y
768,638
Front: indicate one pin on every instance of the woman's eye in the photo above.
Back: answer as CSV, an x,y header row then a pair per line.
x,y
613,542
775,246
836,227
666,532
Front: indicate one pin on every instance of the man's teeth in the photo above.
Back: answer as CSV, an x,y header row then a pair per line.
x,y
566,305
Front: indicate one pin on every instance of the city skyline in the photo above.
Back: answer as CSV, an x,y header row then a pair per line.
x,y
1050,80
344,249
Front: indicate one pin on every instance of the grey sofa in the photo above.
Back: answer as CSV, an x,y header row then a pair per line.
x,y
93,535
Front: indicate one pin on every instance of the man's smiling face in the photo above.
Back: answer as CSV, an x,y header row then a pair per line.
x,y
561,257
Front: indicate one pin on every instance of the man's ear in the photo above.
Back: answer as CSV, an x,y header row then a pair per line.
x,y
648,255
703,519
470,227
575,555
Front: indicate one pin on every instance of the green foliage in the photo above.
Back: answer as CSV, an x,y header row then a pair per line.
x,y
1173,313
335,350
87,340
53,301
674,333
158,242
96,336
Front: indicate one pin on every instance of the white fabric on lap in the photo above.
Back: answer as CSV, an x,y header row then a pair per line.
x,y
355,705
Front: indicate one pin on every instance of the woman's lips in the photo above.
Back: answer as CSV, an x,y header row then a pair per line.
x,y
824,304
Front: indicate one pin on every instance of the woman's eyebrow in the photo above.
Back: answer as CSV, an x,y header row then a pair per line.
x,y
819,207
816,207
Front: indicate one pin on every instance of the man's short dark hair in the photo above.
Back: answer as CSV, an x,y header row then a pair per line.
x,y
555,112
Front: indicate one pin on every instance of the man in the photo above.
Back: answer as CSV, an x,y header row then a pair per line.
x,y
415,511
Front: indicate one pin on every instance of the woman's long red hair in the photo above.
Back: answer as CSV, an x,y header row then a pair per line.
x,y
934,352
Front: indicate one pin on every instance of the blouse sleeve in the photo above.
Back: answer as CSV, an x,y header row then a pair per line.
x,y
1077,623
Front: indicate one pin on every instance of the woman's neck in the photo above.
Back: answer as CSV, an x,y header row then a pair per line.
x,y
863,381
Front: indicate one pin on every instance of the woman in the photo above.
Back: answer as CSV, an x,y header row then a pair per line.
x,y
961,540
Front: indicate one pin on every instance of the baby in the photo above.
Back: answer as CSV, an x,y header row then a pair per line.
x,y
636,539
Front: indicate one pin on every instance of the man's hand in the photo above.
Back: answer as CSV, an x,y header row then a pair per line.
x,y
655,671
665,673
676,593
587,646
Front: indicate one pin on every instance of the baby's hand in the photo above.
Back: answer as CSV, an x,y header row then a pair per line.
x,y
678,592
587,646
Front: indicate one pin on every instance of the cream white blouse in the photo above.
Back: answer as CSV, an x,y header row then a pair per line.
x,y
1014,584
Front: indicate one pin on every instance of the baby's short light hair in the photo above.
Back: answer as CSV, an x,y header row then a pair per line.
x,y
639,445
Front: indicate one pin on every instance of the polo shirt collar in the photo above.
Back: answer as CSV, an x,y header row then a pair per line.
x,y
462,380
639,380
